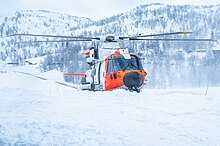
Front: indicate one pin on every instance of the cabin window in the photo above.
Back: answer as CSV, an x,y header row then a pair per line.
x,y
117,62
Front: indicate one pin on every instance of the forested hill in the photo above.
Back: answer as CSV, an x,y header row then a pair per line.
x,y
161,58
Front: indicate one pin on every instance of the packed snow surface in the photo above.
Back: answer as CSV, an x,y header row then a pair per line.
x,y
35,110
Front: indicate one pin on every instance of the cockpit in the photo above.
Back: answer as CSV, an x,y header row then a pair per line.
x,y
117,62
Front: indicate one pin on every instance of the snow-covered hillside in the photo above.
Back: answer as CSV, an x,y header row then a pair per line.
x,y
40,22
35,110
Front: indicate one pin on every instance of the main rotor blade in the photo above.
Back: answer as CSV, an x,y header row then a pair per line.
x,y
54,36
64,40
198,40
55,41
152,35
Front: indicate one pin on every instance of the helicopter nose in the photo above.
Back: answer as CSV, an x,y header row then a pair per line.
x,y
133,79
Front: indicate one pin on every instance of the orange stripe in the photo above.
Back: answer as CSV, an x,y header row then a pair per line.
x,y
81,75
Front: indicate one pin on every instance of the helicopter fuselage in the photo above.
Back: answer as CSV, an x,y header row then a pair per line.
x,y
120,69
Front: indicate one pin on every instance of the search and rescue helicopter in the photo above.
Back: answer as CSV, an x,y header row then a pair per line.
x,y
112,66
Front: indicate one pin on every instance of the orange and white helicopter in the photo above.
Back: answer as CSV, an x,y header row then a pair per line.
x,y
112,66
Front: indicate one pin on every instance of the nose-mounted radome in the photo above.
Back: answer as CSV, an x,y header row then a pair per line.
x,y
133,80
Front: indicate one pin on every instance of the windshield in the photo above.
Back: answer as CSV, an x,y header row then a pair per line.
x,y
119,63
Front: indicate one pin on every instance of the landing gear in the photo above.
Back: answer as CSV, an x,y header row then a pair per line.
x,y
83,80
131,89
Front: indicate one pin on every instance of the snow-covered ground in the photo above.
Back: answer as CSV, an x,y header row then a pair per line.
x,y
35,110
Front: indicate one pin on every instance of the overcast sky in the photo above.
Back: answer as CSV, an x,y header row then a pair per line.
x,y
94,9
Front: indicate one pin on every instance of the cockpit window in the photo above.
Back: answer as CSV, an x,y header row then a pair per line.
x,y
117,62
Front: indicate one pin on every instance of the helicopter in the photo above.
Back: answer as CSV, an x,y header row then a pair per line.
x,y
112,66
